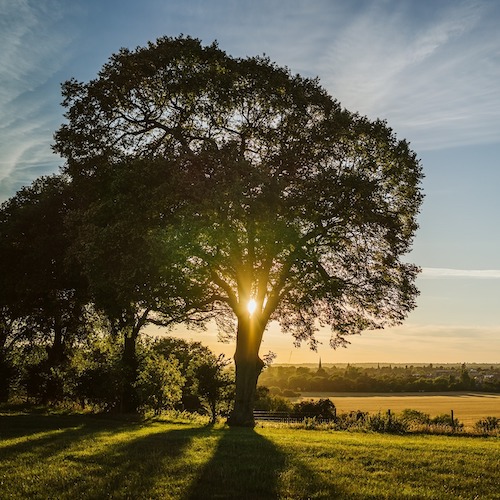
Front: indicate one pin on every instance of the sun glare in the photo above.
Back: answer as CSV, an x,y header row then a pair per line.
x,y
251,306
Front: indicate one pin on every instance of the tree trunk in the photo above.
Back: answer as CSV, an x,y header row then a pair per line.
x,y
130,327
54,390
130,365
248,368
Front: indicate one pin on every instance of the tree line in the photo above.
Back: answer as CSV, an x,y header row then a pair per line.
x,y
289,380
196,184
172,374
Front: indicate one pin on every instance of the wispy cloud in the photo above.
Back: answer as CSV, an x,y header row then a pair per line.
x,y
32,52
435,272
436,81
430,68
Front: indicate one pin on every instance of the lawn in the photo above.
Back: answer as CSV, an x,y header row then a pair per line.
x,y
82,457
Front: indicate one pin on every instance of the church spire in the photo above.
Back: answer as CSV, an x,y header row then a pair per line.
x,y
320,369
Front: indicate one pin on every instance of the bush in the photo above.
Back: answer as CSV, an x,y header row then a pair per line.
x,y
321,409
264,400
215,385
351,420
415,417
487,424
46,383
445,420
386,423
159,383
6,375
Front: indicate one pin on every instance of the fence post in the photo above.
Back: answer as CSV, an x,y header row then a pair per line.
x,y
452,420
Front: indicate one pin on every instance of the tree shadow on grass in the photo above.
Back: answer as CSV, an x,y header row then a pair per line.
x,y
93,458
14,426
246,465
151,465
83,457
46,435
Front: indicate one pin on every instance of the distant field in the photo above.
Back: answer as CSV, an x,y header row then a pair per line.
x,y
468,407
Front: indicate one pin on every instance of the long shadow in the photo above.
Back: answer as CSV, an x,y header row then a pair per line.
x,y
244,465
14,426
47,435
100,458
109,459
143,465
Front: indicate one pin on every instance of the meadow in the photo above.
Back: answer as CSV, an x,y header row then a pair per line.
x,y
83,457
468,407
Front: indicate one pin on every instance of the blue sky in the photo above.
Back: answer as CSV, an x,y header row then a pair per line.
x,y
431,68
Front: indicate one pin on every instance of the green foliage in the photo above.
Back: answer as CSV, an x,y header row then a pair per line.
x,y
215,385
415,417
488,424
351,420
159,383
386,422
265,400
446,420
213,378
44,294
7,373
320,409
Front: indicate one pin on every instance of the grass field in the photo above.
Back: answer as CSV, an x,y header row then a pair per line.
x,y
467,407
82,457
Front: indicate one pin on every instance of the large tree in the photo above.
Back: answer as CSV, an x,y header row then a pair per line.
x,y
272,195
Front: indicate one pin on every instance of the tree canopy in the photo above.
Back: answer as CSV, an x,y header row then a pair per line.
x,y
254,184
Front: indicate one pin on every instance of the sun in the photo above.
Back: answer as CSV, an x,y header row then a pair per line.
x,y
251,306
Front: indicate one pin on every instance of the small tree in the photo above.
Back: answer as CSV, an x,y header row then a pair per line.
x,y
159,383
215,384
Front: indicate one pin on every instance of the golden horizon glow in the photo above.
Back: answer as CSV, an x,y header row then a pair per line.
x,y
251,306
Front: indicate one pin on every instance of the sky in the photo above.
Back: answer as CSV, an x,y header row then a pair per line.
x,y
431,68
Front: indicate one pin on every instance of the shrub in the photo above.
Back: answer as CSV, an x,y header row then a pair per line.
x,y
386,423
351,420
264,400
487,424
415,417
159,383
445,420
310,423
321,409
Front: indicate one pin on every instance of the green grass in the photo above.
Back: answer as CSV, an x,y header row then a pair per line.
x,y
83,457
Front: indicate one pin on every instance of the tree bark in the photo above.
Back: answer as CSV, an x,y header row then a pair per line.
x,y
248,368
130,328
130,366
54,390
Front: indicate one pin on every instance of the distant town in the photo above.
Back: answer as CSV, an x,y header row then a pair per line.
x,y
368,377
